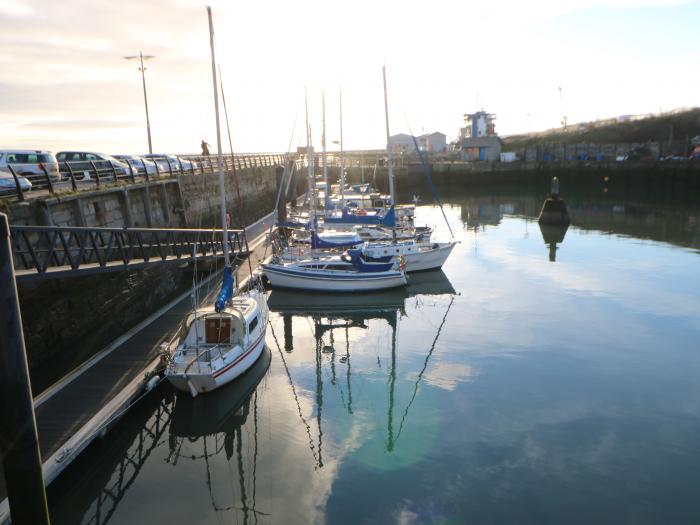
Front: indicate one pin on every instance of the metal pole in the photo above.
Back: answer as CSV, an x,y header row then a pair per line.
x,y
326,199
390,169
342,156
145,100
310,175
18,437
220,160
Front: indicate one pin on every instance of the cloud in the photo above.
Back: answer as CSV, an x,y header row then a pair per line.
x,y
80,124
15,8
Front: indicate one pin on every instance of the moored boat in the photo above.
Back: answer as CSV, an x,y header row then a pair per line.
x,y
335,274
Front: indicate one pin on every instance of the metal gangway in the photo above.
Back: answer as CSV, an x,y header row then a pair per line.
x,y
42,252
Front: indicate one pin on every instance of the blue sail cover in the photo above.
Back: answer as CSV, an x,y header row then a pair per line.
x,y
317,242
359,262
389,218
226,292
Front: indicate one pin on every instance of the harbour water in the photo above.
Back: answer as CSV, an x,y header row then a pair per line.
x,y
543,377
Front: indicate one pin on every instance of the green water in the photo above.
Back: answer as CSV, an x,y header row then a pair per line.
x,y
509,389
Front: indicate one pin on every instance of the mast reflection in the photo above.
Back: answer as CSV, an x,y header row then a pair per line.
x,y
353,312
216,421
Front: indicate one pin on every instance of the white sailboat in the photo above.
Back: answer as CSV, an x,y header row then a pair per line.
x,y
335,274
221,341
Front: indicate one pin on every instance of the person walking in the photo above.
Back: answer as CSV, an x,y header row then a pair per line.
x,y
205,148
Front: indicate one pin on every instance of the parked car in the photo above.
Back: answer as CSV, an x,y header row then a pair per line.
x,y
82,162
139,164
29,162
8,184
171,162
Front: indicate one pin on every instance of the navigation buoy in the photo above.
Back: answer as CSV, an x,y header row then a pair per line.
x,y
554,210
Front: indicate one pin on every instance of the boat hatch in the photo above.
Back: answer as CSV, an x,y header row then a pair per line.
x,y
217,330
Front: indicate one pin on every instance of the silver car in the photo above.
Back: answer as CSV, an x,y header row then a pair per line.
x,y
29,162
171,162
83,162
8,184
137,164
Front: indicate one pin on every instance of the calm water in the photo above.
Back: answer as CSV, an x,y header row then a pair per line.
x,y
510,389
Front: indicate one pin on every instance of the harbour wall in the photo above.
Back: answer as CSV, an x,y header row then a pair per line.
x,y
411,178
66,321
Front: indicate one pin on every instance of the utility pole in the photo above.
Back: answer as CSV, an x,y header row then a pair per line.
x,y
141,58
19,443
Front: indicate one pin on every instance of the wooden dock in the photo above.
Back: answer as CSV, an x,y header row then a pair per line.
x,y
87,402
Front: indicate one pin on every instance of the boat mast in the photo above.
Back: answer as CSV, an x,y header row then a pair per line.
x,y
342,157
390,167
222,189
309,162
323,144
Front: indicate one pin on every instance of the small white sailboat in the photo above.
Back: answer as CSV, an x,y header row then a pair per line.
x,y
216,346
335,274
219,342
418,256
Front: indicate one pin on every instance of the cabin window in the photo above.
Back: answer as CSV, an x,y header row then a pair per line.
x,y
252,325
217,331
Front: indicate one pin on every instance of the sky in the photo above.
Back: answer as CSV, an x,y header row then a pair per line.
x,y
65,85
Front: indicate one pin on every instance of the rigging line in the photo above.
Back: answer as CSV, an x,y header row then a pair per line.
x,y
426,172
294,392
235,175
425,366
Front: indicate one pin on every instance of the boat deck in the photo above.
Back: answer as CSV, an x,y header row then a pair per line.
x,y
70,414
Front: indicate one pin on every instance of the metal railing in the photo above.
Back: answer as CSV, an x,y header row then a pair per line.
x,y
50,251
77,175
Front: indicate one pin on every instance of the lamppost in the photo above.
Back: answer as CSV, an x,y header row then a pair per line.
x,y
141,58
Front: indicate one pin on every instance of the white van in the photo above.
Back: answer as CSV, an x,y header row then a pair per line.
x,y
28,162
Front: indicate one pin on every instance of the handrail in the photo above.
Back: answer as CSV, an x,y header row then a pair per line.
x,y
54,250
77,175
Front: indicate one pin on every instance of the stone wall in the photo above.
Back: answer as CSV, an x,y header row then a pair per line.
x,y
188,201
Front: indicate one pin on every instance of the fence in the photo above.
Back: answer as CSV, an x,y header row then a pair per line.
x,y
89,172
43,251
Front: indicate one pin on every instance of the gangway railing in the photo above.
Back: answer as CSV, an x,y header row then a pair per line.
x,y
41,252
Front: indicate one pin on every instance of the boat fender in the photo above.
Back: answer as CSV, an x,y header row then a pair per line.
x,y
152,383
193,390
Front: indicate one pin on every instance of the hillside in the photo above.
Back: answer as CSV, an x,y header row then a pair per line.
x,y
683,125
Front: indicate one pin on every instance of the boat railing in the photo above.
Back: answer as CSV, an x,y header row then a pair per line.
x,y
200,353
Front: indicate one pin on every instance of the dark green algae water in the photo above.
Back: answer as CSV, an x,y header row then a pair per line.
x,y
509,389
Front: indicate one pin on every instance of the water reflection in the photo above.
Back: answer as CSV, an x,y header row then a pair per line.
x,y
341,313
552,236
214,422
640,213
92,497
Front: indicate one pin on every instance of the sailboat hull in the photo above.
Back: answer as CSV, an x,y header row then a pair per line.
x,y
431,259
197,383
281,277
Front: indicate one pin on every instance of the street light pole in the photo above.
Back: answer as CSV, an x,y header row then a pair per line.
x,y
141,58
